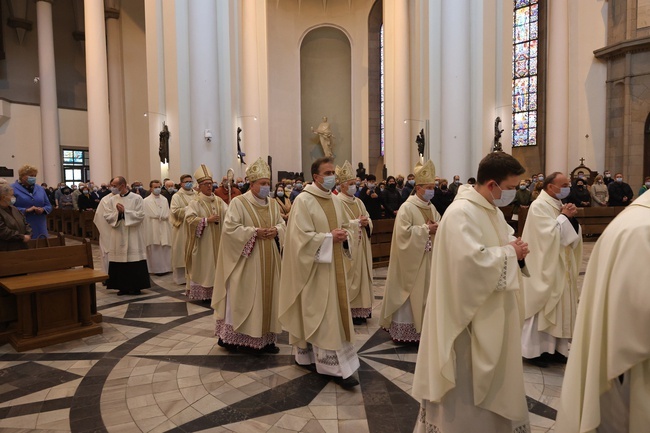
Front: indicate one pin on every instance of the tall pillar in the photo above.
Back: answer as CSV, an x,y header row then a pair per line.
x,y
49,106
557,87
115,89
99,143
249,117
204,79
397,87
455,92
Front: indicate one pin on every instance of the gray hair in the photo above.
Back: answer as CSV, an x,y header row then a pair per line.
x,y
5,189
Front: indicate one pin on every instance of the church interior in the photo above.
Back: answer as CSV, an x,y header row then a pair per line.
x,y
89,87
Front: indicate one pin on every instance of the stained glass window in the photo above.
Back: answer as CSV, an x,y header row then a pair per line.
x,y
382,111
76,166
524,73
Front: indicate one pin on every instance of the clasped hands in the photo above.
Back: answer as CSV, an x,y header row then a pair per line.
x,y
569,209
266,233
433,227
36,210
521,248
339,235
213,218
364,221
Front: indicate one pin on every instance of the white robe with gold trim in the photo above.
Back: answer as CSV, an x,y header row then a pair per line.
x,y
611,335
474,307
179,203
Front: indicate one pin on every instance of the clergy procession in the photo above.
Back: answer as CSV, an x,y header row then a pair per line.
x,y
476,301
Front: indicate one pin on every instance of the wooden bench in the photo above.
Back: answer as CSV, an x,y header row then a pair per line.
x,y
54,291
382,235
593,220
52,241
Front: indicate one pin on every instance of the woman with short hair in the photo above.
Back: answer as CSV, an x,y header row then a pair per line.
x,y
32,200
14,230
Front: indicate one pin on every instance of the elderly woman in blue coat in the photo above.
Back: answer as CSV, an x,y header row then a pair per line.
x,y
32,200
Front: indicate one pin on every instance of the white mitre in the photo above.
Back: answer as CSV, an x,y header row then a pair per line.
x,y
258,170
425,174
345,173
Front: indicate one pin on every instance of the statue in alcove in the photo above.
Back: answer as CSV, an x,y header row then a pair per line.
x,y
163,148
496,145
420,141
325,136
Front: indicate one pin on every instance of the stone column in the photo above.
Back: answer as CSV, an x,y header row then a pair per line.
x,y
204,79
557,90
455,91
49,107
99,138
250,88
115,89
397,87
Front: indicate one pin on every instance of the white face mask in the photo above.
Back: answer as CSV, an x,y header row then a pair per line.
x,y
507,196
265,190
156,191
280,193
329,182
352,189
13,200
428,194
564,193
115,190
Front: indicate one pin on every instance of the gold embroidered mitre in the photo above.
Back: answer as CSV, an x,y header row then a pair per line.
x,y
425,174
202,173
345,173
258,170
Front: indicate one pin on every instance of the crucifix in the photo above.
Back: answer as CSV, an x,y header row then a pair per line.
x,y
582,161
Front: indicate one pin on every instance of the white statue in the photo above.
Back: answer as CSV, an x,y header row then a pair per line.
x,y
325,135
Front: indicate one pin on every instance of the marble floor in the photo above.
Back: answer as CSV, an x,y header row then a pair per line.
x,y
157,368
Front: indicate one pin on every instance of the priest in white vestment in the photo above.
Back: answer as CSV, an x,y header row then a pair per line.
x,y
180,200
314,303
551,292
360,267
247,279
158,230
469,375
409,268
127,253
203,218
606,386
105,230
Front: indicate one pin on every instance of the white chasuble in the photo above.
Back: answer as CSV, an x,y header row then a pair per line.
x,y
127,242
409,268
248,267
359,269
551,293
474,289
203,238
179,203
611,335
314,306
104,228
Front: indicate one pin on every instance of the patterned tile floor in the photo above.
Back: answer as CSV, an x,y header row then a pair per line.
x,y
157,368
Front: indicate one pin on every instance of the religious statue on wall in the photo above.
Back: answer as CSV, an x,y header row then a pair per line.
x,y
325,136
240,154
163,148
420,141
496,145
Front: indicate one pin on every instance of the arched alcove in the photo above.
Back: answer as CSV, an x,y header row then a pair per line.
x,y
325,90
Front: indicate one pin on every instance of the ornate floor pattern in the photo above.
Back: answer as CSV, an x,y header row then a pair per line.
x,y
157,368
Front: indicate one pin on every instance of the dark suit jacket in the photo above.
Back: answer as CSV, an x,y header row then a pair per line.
x,y
13,228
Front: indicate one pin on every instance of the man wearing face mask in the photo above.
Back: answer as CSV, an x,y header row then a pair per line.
x,y
443,197
360,268
453,188
409,186
469,374
409,269
620,193
580,195
314,302
551,292
645,186
370,197
204,217
297,189
222,191
246,285
168,190
177,209
608,177
157,231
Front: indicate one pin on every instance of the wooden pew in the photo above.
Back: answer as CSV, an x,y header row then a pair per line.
x,y
52,241
86,224
382,234
54,292
593,220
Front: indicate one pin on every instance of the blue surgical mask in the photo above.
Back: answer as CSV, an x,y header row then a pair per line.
x,y
507,196
265,190
564,193
298,186
156,191
188,185
619,179
240,184
329,182
280,193
115,191
371,186
522,187
411,182
352,189
428,194
31,180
